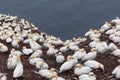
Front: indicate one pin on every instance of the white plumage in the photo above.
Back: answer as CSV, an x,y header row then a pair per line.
x,y
79,54
116,52
52,50
111,31
112,46
60,58
15,43
68,64
3,48
46,73
55,77
89,32
74,47
117,21
19,68
12,62
89,76
102,47
9,40
94,64
3,76
34,45
27,51
64,49
105,27
34,60
90,55
80,69
37,53
42,65
116,70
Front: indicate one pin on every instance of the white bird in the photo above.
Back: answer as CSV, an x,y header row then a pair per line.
x,y
112,46
102,47
111,31
73,47
15,52
64,48
94,64
55,77
80,69
96,34
116,72
58,42
116,52
79,53
42,65
46,73
34,45
105,27
117,75
37,53
33,60
9,39
3,76
3,48
117,21
60,58
12,62
90,55
94,43
27,51
89,76
70,61
52,50
35,36
89,32
18,71
15,43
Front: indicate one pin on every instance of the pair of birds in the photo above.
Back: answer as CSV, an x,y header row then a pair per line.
x,y
14,62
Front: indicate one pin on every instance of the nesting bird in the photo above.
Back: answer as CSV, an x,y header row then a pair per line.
x,y
3,76
18,71
15,43
56,77
52,50
41,65
12,62
60,58
105,27
116,52
69,64
3,48
33,60
89,76
37,53
90,55
34,45
112,46
79,53
46,73
94,64
116,72
27,51
80,69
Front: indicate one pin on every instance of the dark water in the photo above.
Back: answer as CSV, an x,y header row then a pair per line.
x,y
63,18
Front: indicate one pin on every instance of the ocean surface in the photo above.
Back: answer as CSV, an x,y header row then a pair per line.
x,y
63,18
